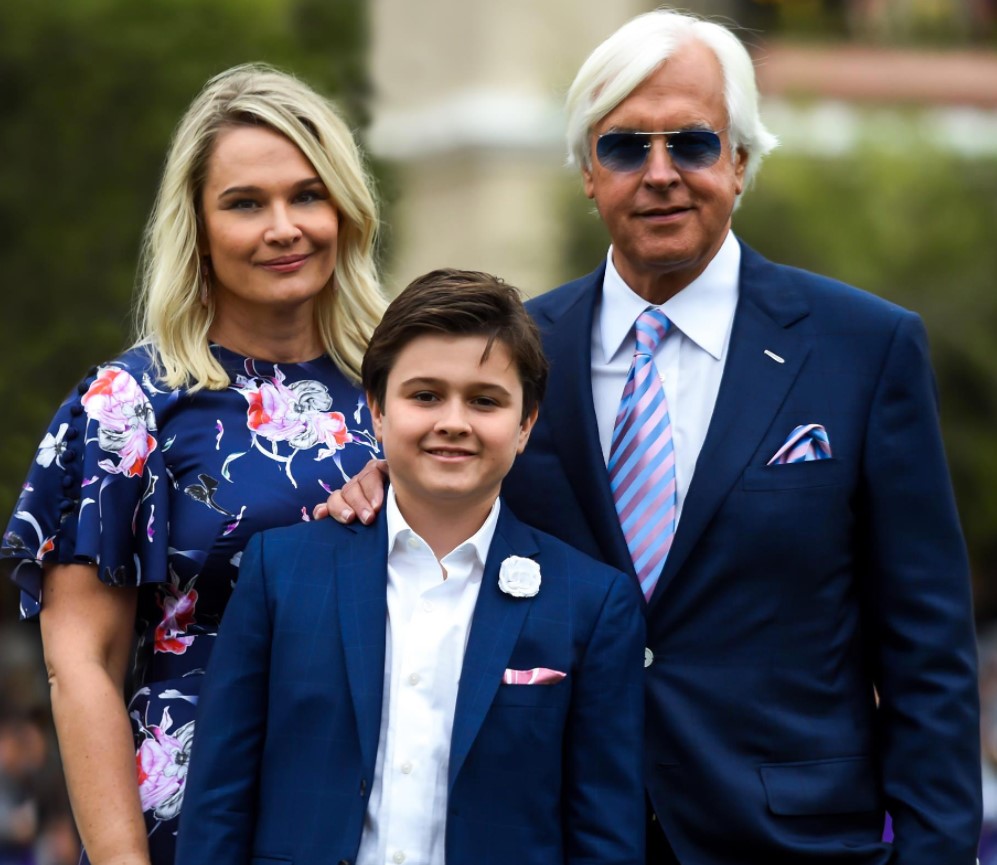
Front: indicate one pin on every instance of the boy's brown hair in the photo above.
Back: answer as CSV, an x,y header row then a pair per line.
x,y
452,302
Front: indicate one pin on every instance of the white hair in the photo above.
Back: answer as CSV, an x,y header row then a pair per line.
x,y
624,61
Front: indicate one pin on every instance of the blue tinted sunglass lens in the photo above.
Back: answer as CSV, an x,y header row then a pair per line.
x,y
622,151
627,151
695,148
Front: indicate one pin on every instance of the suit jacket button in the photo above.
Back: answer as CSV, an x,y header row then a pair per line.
x,y
648,657
344,862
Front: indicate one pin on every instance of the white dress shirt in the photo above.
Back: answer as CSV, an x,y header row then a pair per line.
x,y
690,359
429,620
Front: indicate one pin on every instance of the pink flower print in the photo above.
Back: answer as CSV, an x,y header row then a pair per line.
x,y
274,412
297,413
331,430
161,762
178,609
124,419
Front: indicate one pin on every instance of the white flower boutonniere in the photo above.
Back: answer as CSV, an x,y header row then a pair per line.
x,y
519,577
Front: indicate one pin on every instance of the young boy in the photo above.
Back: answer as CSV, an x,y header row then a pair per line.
x,y
447,685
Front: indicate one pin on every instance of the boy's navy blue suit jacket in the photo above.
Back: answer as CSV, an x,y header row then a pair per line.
x,y
793,594
289,718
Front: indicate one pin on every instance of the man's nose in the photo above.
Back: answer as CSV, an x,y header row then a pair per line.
x,y
659,170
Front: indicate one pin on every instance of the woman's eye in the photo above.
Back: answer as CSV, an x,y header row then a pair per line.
x,y
424,396
243,204
307,196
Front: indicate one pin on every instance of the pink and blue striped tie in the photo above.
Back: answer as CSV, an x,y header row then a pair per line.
x,y
642,458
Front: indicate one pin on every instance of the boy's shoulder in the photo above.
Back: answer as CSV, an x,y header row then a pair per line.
x,y
313,533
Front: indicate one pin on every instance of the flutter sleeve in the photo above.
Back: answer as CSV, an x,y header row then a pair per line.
x,y
96,492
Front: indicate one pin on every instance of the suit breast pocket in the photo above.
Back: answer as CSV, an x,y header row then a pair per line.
x,y
795,476
532,696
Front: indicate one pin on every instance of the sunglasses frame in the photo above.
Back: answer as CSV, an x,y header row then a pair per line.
x,y
678,160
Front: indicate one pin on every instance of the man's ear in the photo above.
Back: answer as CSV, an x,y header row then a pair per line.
x,y
526,428
376,415
740,166
587,183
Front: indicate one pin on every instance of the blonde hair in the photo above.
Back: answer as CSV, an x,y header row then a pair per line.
x,y
624,61
170,316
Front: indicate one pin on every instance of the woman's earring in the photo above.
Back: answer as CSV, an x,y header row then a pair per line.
x,y
205,271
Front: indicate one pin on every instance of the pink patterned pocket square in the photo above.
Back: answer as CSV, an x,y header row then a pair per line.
x,y
805,443
536,676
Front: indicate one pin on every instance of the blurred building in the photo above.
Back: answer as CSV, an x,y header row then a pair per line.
x,y
466,107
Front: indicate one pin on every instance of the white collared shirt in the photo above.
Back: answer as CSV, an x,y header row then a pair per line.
x,y
690,360
429,621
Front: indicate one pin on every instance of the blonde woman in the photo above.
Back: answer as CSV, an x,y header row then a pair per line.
x,y
236,410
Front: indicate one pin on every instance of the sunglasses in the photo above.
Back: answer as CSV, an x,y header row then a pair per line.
x,y
690,149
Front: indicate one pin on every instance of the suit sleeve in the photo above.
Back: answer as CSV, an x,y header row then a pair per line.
x,y
216,826
603,756
915,575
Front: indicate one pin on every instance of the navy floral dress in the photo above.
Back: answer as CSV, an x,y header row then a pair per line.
x,y
161,489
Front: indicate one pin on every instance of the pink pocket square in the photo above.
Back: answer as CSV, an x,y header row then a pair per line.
x,y
805,443
536,676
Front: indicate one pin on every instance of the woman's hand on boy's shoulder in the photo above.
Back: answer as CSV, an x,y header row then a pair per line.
x,y
362,494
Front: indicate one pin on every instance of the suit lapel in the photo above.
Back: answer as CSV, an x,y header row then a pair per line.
x,y
752,389
498,619
568,341
361,579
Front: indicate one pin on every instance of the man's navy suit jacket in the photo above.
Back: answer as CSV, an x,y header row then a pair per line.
x,y
290,711
794,596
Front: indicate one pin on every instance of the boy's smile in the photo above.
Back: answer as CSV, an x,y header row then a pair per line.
x,y
451,425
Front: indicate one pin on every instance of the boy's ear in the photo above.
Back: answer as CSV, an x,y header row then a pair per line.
x,y
526,428
376,415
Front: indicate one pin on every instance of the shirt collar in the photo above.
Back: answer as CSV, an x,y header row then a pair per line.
x,y
480,542
703,310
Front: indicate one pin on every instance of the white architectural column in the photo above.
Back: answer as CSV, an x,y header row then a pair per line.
x,y
467,108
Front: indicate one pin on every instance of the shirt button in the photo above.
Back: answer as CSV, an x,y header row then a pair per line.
x,y
399,857
427,606
406,768
648,657
414,679
413,542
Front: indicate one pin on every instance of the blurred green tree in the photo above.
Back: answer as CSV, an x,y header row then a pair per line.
x,y
92,90
917,228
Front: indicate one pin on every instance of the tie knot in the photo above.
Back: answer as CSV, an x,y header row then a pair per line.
x,y
651,326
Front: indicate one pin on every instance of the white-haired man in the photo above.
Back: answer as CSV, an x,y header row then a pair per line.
x,y
773,475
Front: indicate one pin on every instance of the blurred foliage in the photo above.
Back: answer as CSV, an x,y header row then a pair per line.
x,y
92,90
915,227
894,22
